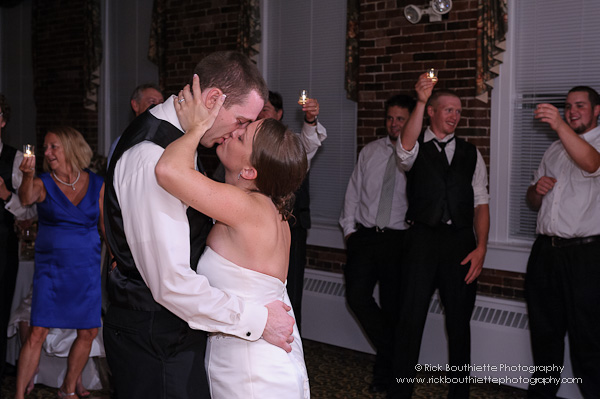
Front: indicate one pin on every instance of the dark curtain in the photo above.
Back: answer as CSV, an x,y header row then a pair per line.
x,y
157,44
93,53
9,3
492,24
351,84
249,33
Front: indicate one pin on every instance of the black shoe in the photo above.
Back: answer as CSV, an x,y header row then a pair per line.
x,y
378,387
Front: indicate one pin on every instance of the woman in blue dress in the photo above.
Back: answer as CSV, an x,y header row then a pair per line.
x,y
66,283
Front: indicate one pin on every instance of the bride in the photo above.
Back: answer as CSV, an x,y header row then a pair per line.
x,y
248,247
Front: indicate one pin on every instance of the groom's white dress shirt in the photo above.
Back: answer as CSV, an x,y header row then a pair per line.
x,y
157,231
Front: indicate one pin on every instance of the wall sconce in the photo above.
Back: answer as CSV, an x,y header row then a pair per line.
x,y
435,10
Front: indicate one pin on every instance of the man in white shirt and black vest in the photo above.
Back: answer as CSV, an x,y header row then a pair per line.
x,y
562,285
447,241
158,304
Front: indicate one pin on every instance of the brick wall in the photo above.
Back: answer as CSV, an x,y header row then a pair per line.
x,y
393,53
193,29
59,91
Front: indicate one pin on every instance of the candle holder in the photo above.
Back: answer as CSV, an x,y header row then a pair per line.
x,y
28,150
303,97
432,74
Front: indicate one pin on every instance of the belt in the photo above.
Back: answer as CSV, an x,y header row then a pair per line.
x,y
376,229
559,242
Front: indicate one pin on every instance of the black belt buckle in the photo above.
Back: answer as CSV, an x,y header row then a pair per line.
x,y
379,229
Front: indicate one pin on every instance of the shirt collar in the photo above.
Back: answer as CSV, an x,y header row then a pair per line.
x,y
429,135
592,134
166,112
388,142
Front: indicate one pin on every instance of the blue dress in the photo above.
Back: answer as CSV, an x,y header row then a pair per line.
x,y
66,282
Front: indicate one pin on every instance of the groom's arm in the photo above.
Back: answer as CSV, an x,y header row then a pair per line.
x,y
157,233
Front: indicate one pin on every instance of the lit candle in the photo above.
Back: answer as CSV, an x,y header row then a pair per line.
x,y
28,150
432,74
303,97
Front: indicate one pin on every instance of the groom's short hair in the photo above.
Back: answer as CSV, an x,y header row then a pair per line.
x,y
234,74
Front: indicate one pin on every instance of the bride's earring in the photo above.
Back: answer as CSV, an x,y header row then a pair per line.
x,y
240,175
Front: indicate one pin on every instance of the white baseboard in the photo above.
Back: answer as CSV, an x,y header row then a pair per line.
x,y
499,331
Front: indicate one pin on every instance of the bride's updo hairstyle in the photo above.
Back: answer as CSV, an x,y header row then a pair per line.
x,y
280,162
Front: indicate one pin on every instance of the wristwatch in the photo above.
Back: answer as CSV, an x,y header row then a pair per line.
x,y
313,122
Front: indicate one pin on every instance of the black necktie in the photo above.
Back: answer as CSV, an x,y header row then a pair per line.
x,y
442,145
445,209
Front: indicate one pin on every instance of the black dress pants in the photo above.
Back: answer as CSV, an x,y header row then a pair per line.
x,y
562,289
154,355
9,265
295,278
375,257
432,260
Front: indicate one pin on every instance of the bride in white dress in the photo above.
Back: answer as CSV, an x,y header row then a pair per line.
x,y
248,247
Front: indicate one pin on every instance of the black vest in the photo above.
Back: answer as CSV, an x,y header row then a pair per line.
x,y
125,285
301,210
430,184
7,159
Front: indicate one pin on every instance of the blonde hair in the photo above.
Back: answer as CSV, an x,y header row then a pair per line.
x,y
77,151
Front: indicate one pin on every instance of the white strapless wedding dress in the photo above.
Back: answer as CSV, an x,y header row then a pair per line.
x,y
237,368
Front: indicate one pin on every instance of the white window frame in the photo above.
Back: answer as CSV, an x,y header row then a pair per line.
x,y
503,253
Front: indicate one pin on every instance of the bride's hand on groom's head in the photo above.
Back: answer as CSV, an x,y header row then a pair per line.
x,y
196,112
280,326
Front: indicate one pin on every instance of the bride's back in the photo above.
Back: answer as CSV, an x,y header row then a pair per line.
x,y
262,245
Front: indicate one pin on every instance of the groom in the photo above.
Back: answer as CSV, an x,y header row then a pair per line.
x,y
159,305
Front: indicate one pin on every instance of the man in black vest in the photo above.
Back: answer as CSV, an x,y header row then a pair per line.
x,y
446,245
159,305
312,135
10,181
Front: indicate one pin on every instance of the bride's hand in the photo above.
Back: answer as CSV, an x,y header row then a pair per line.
x,y
194,113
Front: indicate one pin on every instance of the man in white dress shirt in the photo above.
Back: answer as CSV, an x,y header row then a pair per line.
x,y
10,181
312,135
447,241
562,285
374,252
155,294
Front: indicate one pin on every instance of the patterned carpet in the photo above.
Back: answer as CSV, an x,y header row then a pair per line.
x,y
334,373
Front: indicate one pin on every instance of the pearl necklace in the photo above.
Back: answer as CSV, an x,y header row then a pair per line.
x,y
72,185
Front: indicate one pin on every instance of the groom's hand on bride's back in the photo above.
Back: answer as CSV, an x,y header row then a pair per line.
x,y
280,326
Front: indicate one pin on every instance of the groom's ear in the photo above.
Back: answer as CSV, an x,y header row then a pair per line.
x,y
249,173
213,96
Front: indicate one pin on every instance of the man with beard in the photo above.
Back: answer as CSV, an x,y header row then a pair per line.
x,y
563,272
